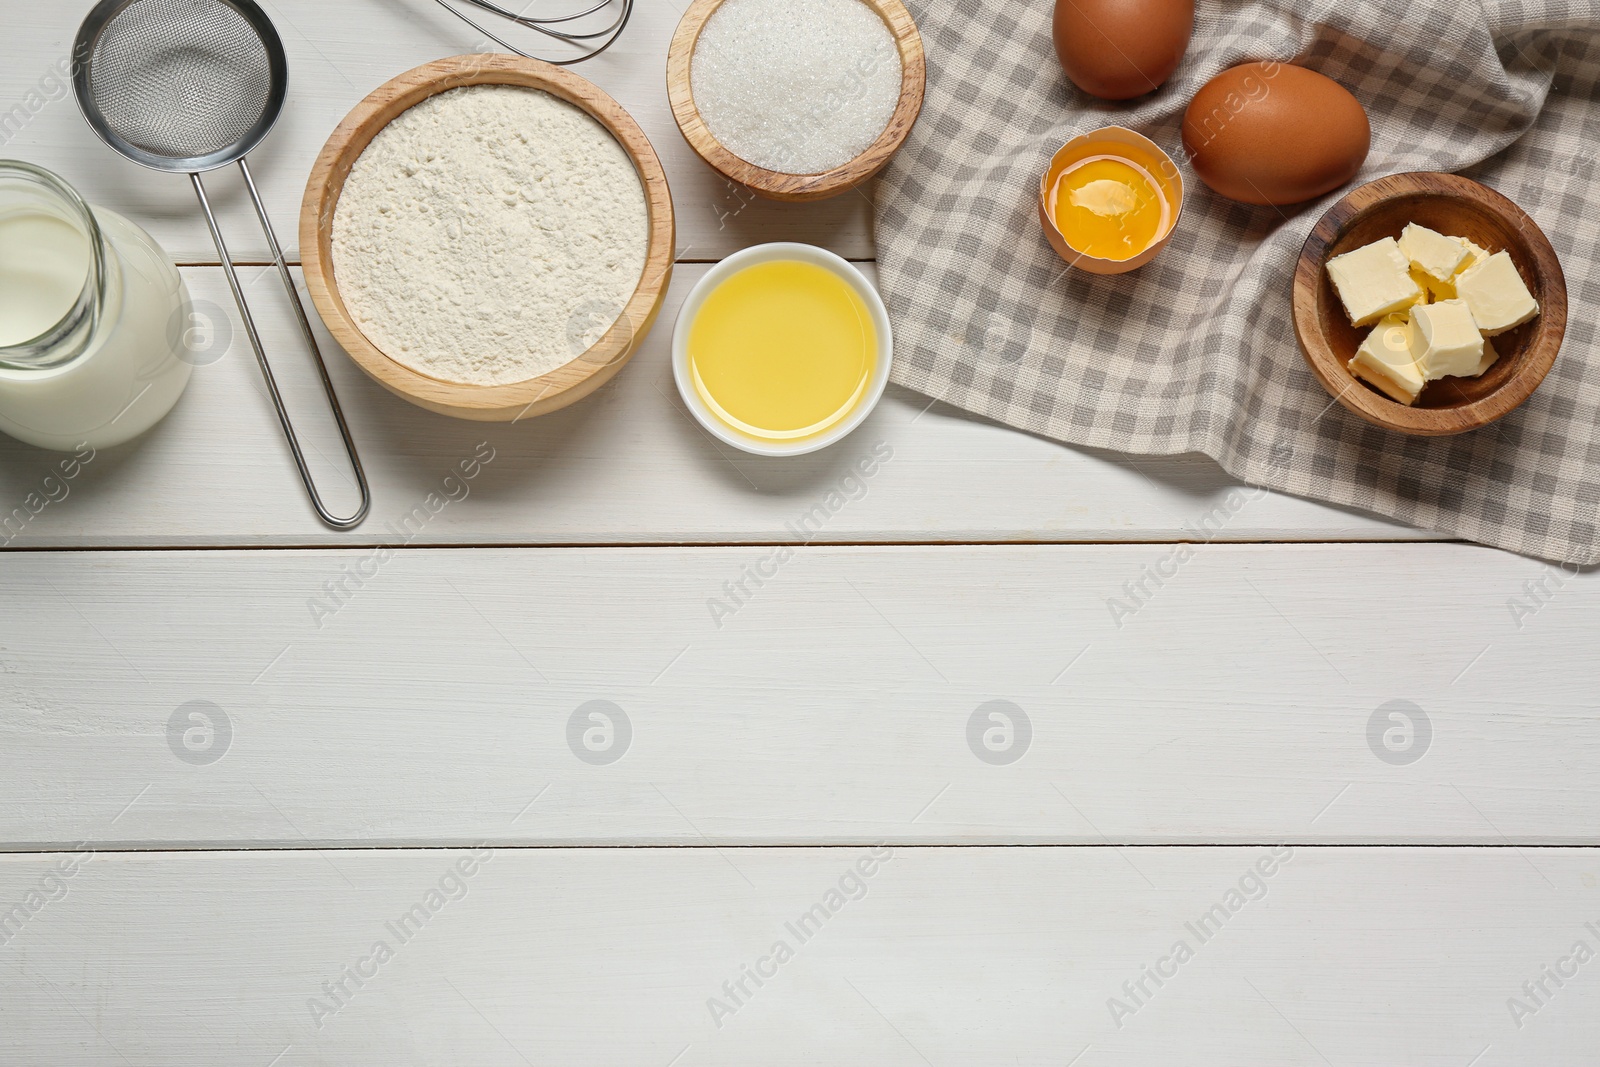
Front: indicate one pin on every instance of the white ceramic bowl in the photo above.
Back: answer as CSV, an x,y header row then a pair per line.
x,y
749,257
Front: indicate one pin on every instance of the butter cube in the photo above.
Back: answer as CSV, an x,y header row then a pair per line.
x,y
1374,281
1489,356
1445,340
1438,290
1496,294
1384,360
1432,252
1475,255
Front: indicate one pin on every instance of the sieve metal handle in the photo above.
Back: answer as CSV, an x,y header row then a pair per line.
x,y
323,513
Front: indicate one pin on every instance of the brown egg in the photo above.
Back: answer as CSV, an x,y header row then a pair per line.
x,y
1120,49
1271,133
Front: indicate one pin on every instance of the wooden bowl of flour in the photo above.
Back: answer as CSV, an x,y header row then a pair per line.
x,y
591,367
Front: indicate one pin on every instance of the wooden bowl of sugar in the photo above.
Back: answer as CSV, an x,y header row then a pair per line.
x,y
480,313
796,99
1460,207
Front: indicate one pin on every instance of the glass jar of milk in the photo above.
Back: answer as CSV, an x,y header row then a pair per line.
x,y
92,318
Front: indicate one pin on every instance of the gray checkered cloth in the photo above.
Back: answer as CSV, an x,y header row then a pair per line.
x,y
1196,352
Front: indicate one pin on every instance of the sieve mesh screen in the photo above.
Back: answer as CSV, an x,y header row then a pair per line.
x,y
180,78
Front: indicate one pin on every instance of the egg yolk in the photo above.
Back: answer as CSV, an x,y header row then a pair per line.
x,y
1109,208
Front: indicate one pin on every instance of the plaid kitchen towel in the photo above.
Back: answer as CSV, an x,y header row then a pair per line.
x,y
1196,352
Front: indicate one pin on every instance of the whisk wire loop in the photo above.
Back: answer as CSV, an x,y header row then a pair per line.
x,y
593,42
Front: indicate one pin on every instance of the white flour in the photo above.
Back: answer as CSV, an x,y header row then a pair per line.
x,y
489,235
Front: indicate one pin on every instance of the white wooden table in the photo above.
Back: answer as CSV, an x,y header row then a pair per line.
x,y
409,757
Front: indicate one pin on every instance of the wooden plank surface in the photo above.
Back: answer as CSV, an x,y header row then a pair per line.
x,y
627,465
293,748
339,52
428,697
1355,957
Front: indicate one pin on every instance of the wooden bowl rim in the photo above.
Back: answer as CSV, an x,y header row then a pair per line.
x,y
1533,364
574,379
778,184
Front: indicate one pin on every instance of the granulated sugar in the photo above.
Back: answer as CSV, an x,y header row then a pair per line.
x,y
490,234
796,86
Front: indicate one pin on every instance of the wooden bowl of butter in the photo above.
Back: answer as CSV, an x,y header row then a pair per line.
x,y
1429,304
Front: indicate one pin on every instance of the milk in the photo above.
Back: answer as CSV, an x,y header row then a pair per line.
x,y
44,262
132,370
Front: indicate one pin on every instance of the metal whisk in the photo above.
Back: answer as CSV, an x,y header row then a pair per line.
x,y
189,86
592,43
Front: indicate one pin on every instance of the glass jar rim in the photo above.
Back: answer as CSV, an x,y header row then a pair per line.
x,y
68,338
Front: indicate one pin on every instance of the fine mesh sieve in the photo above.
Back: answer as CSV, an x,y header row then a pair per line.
x,y
188,82
189,86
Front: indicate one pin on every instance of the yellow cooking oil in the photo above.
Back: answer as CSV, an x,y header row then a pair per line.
x,y
1109,208
782,350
